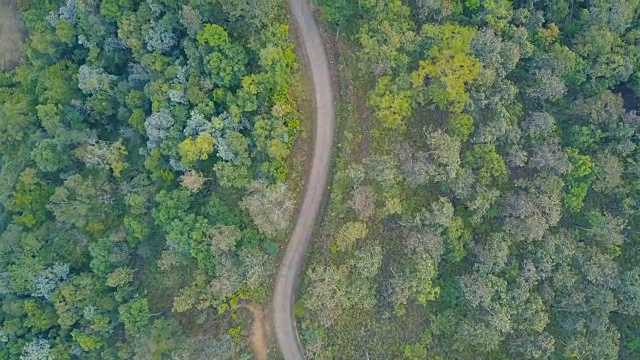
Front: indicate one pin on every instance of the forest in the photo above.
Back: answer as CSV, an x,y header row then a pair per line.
x,y
484,202
144,159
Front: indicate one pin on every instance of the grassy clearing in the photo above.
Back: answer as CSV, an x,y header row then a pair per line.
x,y
11,35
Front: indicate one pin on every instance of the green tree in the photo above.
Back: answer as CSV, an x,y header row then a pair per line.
x,y
77,201
348,235
213,35
120,277
29,200
487,162
135,316
448,66
40,317
392,105
199,149
87,342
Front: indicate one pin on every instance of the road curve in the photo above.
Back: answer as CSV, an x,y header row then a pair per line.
x,y
291,266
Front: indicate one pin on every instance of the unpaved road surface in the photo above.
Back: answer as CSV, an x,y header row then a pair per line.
x,y
291,266
11,35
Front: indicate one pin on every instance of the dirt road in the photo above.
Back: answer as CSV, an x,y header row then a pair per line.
x,y
291,266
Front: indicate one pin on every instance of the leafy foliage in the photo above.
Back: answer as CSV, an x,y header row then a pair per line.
x,y
110,126
498,183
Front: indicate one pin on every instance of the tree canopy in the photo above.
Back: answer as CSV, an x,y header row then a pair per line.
x,y
130,133
484,200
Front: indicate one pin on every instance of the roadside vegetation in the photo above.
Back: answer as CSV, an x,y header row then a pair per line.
x,y
144,158
484,199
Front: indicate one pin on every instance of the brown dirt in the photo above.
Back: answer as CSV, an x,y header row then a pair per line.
x,y
258,331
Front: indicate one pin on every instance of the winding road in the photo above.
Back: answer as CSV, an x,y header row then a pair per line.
x,y
291,266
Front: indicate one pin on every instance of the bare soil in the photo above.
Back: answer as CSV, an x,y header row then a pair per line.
x,y
259,331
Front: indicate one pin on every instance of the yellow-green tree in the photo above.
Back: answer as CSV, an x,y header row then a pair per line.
x,y
448,67
196,149
348,235
392,104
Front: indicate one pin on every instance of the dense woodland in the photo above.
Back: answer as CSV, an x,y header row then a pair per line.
x,y
483,206
143,154
487,185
